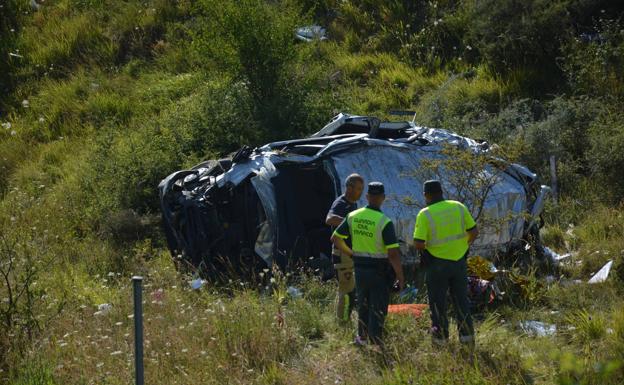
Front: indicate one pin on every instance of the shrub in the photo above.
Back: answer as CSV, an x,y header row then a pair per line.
x,y
593,61
11,19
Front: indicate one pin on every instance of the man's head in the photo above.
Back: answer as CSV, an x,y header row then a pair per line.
x,y
432,190
355,186
376,194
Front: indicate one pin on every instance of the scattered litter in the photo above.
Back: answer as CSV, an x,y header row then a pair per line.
x,y
415,309
602,274
537,328
553,256
551,279
197,283
25,103
570,231
103,309
408,295
6,125
15,55
311,33
570,282
158,295
34,5
294,292
482,293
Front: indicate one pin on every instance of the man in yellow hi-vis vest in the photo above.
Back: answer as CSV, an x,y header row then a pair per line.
x,y
444,231
375,250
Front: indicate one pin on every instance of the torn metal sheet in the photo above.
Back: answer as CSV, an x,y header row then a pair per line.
x,y
269,204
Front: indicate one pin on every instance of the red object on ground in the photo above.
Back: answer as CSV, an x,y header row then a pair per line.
x,y
415,309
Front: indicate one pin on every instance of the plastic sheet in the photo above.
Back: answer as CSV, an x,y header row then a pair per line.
x,y
602,274
538,329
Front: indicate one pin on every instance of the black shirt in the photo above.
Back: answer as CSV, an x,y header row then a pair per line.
x,y
342,207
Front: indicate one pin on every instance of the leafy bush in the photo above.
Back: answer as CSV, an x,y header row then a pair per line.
x,y
594,61
254,41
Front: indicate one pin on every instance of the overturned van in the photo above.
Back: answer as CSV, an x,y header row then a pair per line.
x,y
267,205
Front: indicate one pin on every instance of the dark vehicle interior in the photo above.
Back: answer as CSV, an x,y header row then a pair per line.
x,y
304,194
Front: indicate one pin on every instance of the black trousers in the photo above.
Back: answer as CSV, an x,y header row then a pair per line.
x,y
372,284
441,276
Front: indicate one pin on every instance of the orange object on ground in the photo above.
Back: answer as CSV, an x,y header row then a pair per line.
x,y
415,309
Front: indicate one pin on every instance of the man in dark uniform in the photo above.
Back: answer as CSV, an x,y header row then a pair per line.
x,y
375,251
444,232
342,206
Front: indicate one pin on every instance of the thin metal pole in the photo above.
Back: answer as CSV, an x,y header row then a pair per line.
x,y
553,178
138,329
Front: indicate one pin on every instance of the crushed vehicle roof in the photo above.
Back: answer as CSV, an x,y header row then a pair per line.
x,y
268,205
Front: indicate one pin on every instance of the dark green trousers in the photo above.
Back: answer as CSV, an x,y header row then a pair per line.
x,y
372,284
441,276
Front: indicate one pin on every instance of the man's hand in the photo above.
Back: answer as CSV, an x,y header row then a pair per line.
x,y
394,257
341,245
401,283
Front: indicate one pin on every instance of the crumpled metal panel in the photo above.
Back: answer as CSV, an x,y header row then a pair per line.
x,y
266,193
394,166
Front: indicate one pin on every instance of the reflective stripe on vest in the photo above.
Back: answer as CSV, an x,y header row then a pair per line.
x,y
434,241
361,245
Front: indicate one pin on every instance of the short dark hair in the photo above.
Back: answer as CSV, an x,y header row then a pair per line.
x,y
376,188
353,178
433,187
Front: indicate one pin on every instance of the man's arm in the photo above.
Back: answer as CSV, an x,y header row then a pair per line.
x,y
335,215
341,233
333,220
419,244
394,257
394,252
472,234
471,226
421,231
341,245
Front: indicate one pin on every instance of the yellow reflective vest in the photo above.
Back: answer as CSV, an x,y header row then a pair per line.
x,y
443,226
366,230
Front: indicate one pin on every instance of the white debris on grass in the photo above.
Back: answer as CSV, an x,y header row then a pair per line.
x,y
537,328
602,274
103,309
